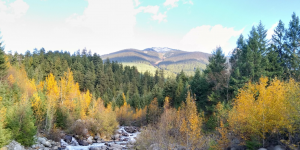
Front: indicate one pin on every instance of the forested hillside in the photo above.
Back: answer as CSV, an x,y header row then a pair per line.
x,y
170,60
253,103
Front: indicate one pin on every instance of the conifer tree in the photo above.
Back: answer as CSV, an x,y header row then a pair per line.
x,y
3,66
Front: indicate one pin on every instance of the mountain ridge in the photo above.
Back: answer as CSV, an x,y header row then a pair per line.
x,y
169,59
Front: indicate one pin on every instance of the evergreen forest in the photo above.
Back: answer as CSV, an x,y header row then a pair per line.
x,y
254,98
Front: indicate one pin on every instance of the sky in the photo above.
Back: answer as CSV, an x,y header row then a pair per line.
x,y
105,26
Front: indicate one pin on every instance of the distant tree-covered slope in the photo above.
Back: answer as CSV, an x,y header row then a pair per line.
x,y
171,60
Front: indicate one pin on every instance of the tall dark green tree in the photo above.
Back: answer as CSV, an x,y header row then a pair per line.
x,y
3,66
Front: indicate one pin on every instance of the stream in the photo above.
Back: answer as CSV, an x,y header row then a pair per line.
x,y
122,143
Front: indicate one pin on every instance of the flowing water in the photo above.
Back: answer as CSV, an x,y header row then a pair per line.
x,y
131,137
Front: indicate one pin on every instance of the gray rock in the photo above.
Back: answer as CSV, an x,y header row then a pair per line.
x,y
46,148
278,147
98,148
132,141
14,145
41,140
115,147
90,140
262,149
47,144
55,148
68,138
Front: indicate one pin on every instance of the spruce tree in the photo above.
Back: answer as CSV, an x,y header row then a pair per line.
x,y
3,66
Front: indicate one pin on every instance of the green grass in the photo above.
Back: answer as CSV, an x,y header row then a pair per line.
x,y
143,67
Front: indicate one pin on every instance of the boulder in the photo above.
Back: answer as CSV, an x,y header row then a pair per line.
x,y
96,137
132,141
115,147
130,129
14,145
83,143
262,149
278,147
55,148
90,140
68,138
98,148
47,144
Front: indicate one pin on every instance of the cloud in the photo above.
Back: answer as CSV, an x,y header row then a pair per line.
x,y
160,17
271,31
104,26
148,9
11,12
206,38
137,3
172,3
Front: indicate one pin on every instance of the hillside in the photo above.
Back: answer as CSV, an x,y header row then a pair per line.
x,y
171,60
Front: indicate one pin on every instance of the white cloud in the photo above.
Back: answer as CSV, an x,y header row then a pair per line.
x,y
137,3
160,17
206,38
11,12
271,31
172,3
148,9
103,27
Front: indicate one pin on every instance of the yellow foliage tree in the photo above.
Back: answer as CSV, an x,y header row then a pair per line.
x,y
190,123
124,113
52,100
261,108
38,109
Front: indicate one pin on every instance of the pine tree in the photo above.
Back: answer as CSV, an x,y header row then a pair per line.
x,y
3,65
293,45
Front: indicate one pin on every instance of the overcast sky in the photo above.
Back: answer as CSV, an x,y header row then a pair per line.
x,y
105,26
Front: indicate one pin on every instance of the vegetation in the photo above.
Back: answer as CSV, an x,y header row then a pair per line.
x,y
253,98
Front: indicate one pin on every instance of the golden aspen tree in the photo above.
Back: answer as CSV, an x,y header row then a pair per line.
x,y
124,113
262,108
52,100
38,109
223,140
85,101
191,123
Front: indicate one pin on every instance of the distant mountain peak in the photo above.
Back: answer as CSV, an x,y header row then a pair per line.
x,y
159,49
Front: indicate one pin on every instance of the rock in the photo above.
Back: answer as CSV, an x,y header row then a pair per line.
x,y
99,141
98,148
130,129
14,145
63,143
132,141
262,149
83,143
47,144
125,134
41,140
74,142
115,147
46,148
68,138
90,140
96,137
55,148
278,147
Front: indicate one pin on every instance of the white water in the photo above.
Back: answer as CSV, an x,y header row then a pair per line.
x,y
131,136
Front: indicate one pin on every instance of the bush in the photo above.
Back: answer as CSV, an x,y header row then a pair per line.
x,y
20,121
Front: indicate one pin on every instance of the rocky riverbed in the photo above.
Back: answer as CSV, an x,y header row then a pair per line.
x,y
124,138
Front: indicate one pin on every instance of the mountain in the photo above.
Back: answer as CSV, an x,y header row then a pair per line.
x,y
171,60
